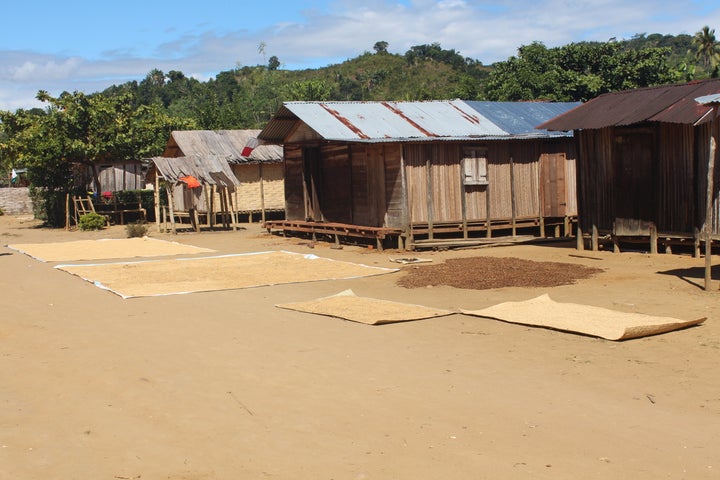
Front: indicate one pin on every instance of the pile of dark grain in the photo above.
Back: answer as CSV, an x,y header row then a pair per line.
x,y
482,273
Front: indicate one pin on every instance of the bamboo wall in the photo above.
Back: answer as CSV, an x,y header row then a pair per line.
x,y
249,198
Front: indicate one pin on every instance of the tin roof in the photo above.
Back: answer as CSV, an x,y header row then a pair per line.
x,y
668,103
405,121
520,118
227,144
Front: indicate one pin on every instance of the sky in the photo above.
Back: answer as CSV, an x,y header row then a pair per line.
x,y
82,45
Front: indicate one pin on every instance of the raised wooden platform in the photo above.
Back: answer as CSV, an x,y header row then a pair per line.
x,y
336,230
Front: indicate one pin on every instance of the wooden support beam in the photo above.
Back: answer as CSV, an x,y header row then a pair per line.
x,y
709,204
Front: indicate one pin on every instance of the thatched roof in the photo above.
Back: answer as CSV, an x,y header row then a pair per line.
x,y
208,169
227,144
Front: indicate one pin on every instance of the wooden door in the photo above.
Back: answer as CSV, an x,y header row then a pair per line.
x,y
634,187
553,188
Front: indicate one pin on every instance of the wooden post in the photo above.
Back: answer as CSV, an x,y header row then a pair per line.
x,y
594,238
512,196
579,239
488,203
156,199
653,239
262,194
67,211
428,172
171,207
709,206
463,200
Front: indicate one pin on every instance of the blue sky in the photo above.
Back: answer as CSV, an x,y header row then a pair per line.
x,y
90,45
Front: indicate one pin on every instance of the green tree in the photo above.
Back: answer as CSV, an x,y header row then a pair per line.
x,y
273,63
309,91
578,71
74,134
381,47
707,48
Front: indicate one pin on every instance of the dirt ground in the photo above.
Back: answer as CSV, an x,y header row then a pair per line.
x,y
224,385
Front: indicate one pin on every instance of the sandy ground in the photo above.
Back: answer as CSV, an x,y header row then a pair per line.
x,y
224,385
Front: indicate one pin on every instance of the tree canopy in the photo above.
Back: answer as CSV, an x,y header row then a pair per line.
x,y
78,131
578,71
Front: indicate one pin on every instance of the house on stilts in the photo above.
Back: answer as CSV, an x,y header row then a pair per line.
x,y
647,170
257,169
428,174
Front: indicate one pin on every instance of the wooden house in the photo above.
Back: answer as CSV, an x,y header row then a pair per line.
x,y
436,173
645,166
260,171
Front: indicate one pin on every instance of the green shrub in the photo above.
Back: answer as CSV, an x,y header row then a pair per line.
x,y
91,221
137,229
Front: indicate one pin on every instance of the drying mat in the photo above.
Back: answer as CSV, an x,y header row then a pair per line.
x,y
187,275
588,320
372,311
104,249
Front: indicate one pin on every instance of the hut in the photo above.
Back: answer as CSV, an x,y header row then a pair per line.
x,y
645,167
197,188
259,169
431,174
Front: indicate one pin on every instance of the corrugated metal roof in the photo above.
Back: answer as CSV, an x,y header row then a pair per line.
x,y
413,121
208,169
223,143
520,118
714,98
668,103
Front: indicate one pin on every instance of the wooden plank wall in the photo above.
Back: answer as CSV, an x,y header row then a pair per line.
x,y
361,196
416,179
595,187
396,214
676,211
680,179
445,181
293,183
702,144
336,183
119,176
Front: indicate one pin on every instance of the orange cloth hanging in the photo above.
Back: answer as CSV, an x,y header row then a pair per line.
x,y
190,181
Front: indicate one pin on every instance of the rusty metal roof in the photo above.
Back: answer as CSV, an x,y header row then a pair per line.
x,y
407,121
668,103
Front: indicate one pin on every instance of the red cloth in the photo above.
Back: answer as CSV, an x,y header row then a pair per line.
x,y
190,181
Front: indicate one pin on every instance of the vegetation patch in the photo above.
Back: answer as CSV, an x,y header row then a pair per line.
x,y
91,221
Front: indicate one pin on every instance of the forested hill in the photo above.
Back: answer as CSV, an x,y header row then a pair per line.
x,y
246,97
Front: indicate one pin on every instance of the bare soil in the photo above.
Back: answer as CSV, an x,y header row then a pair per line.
x,y
225,385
